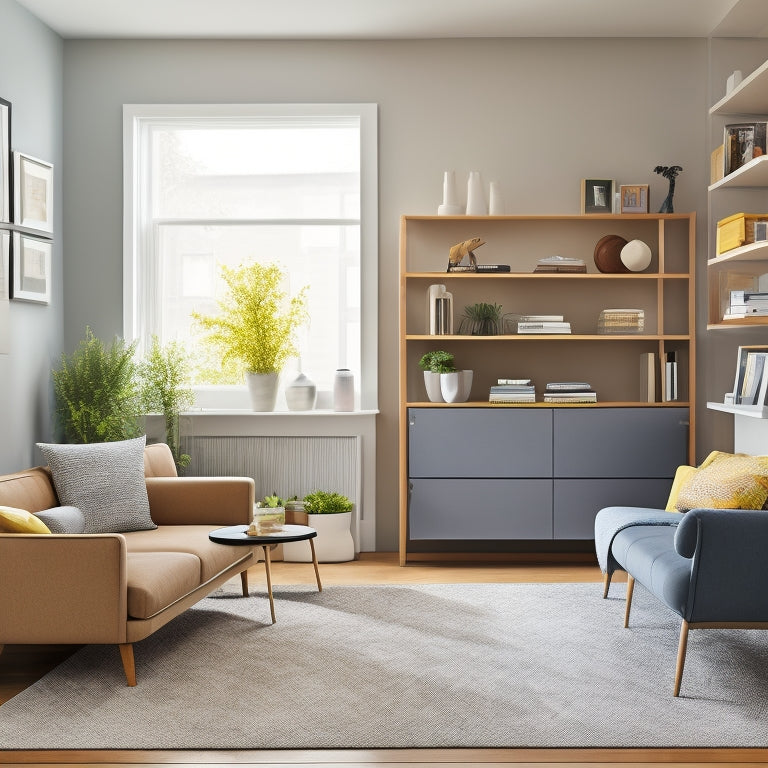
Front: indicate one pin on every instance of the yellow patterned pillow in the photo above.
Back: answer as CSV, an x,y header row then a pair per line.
x,y
14,520
726,481
681,476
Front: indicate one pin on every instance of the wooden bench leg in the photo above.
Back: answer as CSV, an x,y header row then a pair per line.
x,y
681,649
630,590
129,666
606,584
244,581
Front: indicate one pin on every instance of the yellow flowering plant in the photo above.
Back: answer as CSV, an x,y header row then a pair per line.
x,y
257,323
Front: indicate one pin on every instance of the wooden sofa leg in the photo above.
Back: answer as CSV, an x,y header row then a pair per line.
x,y
606,584
126,653
630,590
681,649
244,581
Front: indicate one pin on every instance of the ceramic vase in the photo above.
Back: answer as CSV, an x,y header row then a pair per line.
x,y
450,386
450,205
475,199
344,390
300,394
262,388
432,385
333,543
496,205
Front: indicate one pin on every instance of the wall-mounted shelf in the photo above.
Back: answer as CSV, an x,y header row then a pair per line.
x,y
748,97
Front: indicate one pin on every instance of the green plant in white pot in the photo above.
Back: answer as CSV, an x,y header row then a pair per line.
x,y
433,364
330,514
257,326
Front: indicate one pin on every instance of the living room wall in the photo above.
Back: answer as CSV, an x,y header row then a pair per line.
x,y
31,64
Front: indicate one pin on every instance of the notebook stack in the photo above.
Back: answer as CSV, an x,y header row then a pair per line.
x,y
569,392
512,391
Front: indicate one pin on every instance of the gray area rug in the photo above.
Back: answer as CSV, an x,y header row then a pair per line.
x,y
468,665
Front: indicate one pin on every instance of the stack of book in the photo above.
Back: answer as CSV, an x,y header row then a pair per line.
x,y
560,264
621,321
746,304
540,324
512,391
569,392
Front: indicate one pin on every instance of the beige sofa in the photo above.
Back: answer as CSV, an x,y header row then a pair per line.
x,y
119,587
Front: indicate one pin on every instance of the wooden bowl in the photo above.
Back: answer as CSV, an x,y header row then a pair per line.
x,y
608,254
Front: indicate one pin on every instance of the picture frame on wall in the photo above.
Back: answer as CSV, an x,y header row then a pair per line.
x,y
597,195
31,268
33,192
5,162
634,198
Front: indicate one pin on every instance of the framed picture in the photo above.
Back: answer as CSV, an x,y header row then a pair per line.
x,y
634,198
743,142
33,192
31,268
597,196
5,161
751,371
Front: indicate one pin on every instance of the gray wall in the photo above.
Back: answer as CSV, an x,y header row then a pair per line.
x,y
31,64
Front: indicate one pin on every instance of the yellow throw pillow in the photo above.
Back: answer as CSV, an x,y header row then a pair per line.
x,y
14,520
681,476
725,481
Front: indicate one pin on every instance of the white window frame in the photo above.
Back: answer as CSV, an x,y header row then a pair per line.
x,y
133,114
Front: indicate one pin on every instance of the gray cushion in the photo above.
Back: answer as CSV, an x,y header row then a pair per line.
x,y
63,519
105,481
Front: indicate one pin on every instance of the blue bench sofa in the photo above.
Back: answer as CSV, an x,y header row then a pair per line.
x,y
706,564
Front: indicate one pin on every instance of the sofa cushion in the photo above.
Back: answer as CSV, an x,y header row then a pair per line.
x,y
63,519
648,553
14,520
105,481
726,481
157,579
192,539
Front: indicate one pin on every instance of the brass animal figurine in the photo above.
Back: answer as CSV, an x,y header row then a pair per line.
x,y
459,251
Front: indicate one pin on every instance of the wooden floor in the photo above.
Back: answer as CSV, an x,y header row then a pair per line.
x,y
20,666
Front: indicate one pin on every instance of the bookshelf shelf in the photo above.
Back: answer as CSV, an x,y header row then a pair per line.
x,y
609,362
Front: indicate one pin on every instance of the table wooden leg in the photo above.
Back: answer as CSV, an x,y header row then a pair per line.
x,y
268,569
314,562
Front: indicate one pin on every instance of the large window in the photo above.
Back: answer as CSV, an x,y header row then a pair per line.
x,y
213,185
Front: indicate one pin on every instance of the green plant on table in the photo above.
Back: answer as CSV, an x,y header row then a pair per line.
x,y
274,501
326,503
437,361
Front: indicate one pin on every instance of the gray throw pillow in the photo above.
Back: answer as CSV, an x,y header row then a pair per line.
x,y
105,481
63,519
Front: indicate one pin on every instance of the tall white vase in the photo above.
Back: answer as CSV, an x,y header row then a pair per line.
x,y
496,205
262,388
475,198
333,544
450,205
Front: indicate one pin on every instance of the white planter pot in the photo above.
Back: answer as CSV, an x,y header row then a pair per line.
x,y
432,384
465,386
450,386
263,390
333,544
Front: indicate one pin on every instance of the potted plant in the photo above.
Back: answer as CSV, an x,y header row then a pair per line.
x,y
164,375
330,514
433,364
256,326
97,392
268,515
481,319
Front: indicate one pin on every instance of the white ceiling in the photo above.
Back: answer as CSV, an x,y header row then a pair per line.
x,y
387,19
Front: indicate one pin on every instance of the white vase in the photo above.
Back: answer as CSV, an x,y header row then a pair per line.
x,y
465,385
496,205
300,394
263,390
475,199
450,386
344,390
432,385
333,543
450,205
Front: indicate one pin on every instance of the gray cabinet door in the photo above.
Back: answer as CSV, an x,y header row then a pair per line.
x,y
478,509
576,502
479,442
620,442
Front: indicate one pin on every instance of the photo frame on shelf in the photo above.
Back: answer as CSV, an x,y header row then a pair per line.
x,y
634,198
597,195
32,192
31,268
751,370
743,142
5,161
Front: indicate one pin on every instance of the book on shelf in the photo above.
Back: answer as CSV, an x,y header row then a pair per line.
x,y
621,321
570,397
742,143
746,362
754,373
536,318
671,376
501,382
648,377
568,386
501,388
560,264
544,326
512,397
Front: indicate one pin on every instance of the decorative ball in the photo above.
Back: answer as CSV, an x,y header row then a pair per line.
x,y
636,255
608,254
